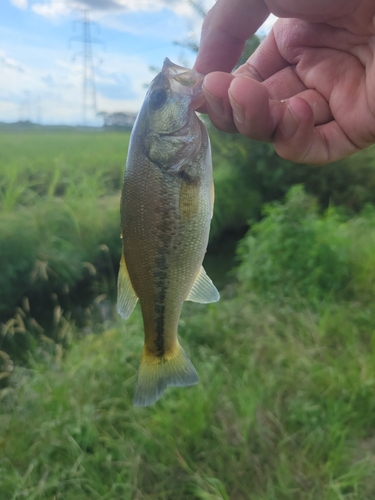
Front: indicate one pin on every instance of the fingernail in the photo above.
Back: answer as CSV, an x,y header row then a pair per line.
x,y
289,124
238,113
215,103
238,110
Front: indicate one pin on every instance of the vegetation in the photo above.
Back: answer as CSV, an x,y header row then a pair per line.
x,y
285,406
249,174
284,410
59,196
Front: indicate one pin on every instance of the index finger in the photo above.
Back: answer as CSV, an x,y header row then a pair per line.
x,y
225,30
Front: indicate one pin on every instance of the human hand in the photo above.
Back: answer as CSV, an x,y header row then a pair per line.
x,y
310,86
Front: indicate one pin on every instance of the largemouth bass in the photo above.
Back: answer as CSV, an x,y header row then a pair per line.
x,y
166,209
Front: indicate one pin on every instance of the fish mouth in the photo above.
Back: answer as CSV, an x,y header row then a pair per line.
x,y
185,81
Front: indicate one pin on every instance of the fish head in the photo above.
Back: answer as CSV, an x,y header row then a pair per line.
x,y
167,131
172,97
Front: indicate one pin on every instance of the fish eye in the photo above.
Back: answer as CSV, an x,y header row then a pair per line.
x,y
157,98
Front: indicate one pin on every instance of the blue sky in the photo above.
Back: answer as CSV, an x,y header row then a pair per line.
x,y
41,64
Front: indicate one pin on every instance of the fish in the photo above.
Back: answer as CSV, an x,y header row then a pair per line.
x,y
166,209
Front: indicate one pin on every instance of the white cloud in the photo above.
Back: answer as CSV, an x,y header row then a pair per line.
x,y
47,79
100,8
137,72
21,4
9,63
56,8
54,93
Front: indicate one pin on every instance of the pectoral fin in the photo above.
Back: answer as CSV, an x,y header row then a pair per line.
x,y
212,198
126,296
203,291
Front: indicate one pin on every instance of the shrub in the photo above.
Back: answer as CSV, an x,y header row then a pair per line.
x,y
294,249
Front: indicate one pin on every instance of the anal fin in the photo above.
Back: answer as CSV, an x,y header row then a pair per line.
x,y
203,290
126,296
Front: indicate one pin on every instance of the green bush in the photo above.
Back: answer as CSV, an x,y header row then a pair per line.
x,y
296,250
361,234
51,242
249,173
18,244
59,201
59,234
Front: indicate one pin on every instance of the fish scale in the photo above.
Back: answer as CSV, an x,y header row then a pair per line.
x,y
166,208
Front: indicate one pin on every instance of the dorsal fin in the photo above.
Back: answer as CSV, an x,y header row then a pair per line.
x,y
203,290
126,296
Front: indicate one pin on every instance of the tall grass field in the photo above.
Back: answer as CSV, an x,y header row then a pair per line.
x,y
285,406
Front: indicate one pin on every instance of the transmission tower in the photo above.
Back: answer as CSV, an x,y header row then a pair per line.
x,y
88,82
24,110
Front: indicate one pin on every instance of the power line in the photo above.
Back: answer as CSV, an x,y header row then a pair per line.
x,y
88,80
89,89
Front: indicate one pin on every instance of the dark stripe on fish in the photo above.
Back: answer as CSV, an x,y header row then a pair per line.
x,y
164,232
160,276
159,320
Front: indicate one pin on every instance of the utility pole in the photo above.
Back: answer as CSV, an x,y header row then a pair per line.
x,y
88,83
25,107
38,110
89,90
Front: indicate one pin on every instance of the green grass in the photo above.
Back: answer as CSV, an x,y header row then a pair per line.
x,y
71,164
285,409
59,203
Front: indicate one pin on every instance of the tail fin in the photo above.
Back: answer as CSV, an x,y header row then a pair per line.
x,y
157,373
